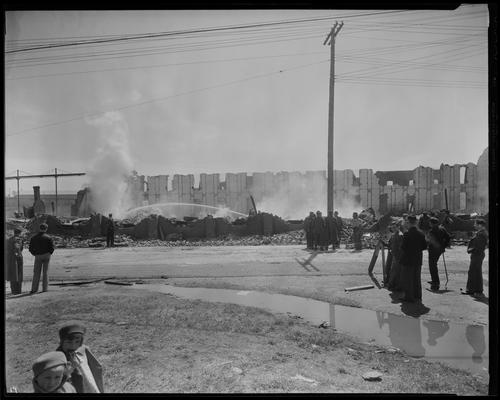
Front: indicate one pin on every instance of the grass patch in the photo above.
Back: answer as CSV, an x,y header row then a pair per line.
x,y
157,343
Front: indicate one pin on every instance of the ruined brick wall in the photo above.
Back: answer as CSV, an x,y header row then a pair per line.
x,y
422,188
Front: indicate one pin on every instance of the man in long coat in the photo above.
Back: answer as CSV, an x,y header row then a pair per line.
x,y
340,225
320,232
333,230
476,248
413,245
357,231
110,232
395,243
308,228
15,261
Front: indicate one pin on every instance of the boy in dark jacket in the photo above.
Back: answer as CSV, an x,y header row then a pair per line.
x,y
86,371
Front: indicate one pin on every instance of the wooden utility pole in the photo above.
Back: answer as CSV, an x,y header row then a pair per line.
x,y
331,36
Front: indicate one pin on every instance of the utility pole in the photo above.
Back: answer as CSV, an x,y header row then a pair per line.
x,y
331,36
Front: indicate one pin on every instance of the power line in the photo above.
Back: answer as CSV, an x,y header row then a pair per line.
x,y
176,33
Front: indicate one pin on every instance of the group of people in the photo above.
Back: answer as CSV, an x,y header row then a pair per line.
x,y
71,368
41,245
406,246
323,232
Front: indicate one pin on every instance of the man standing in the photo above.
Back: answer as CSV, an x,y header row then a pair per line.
x,y
340,225
395,243
331,223
413,245
308,228
15,262
110,232
439,239
320,232
42,247
357,233
476,248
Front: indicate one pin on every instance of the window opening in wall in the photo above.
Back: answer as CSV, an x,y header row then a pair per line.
x,y
463,201
169,185
196,182
436,182
462,175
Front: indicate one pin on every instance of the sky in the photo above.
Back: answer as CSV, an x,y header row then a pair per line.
x,y
217,91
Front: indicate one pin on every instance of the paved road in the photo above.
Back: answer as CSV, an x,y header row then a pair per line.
x,y
220,261
274,269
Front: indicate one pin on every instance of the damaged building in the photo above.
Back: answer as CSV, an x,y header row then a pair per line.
x,y
461,188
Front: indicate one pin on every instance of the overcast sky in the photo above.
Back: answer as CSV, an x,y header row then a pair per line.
x,y
241,91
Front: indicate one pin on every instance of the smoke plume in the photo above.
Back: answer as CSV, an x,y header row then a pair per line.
x,y
295,201
112,166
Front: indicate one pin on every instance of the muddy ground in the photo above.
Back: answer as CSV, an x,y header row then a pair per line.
x,y
276,269
273,269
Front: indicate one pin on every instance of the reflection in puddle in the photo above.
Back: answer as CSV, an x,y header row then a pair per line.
x,y
458,345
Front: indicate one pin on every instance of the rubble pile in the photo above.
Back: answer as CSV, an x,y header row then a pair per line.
x,y
257,230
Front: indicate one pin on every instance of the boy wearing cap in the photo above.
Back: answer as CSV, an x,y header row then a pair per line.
x,y
15,261
439,239
86,374
49,374
42,247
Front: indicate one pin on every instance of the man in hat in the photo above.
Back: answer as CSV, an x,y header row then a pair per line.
x,y
438,240
412,246
308,228
41,246
476,248
333,230
110,232
15,261
357,231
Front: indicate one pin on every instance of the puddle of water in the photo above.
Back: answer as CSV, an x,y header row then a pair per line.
x,y
461,346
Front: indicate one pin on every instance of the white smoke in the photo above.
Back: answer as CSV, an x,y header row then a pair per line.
x,y
112,166
298,200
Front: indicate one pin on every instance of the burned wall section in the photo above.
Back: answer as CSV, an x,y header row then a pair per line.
x,y
463,187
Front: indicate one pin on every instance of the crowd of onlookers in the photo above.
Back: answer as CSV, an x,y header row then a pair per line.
x,y
409,237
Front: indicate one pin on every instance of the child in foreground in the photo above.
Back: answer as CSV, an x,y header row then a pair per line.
x,y
86,371
49,374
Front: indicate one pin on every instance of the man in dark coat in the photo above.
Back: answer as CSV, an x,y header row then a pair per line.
x,y
15,262
476,248
438,239
308,228
395,242
320,232
412,246
357,231
42,247
333,235
424,223
340,225
110,232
